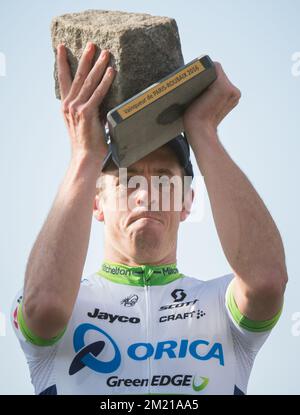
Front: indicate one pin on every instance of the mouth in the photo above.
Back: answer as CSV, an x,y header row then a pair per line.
x,y
145,218
156,220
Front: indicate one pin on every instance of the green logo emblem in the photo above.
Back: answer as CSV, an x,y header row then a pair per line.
x,y
202,385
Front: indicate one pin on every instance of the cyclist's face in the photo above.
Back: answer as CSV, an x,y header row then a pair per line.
x,y
126,201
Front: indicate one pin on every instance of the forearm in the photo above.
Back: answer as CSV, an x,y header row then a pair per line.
x,y
247,232
57,259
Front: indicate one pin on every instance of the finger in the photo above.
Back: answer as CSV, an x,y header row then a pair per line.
x,y
63,71
82,71
221,75
94,77
102,89
219,68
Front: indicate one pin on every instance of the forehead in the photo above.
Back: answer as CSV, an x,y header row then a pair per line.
x,y
162,160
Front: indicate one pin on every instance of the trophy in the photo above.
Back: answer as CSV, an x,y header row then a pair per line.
x,y
153,86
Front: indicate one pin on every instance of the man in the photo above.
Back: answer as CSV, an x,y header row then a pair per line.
x,y
139,325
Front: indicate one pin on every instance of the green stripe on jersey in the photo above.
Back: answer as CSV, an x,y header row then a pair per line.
x,y
245,322
32,338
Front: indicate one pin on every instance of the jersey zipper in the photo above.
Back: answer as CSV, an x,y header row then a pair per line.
x,y
147,275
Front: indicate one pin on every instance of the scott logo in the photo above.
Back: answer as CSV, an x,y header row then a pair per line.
x,y
178,295
178,305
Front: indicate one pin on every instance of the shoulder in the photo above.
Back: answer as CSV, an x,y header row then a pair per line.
x,y
93,288
92,282
219,283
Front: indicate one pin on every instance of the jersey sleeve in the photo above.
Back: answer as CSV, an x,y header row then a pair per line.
x,y
39,354
32,345
249,333
248,336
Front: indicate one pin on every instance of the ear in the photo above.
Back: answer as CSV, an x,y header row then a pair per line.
x,y
187,204
98,209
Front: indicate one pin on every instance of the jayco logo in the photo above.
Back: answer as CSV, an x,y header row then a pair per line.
x,y
112,317
178,295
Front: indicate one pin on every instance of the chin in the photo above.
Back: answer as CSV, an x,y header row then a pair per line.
x,y
144,239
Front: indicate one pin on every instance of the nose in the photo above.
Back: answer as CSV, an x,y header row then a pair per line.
x,y
142,197
145,197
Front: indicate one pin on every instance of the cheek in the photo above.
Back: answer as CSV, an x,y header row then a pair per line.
x,y
175,220
172,220
115,221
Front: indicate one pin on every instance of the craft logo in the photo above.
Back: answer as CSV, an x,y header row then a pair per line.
x,y
182,316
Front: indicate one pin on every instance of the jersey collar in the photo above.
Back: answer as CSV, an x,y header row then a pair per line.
x,y
139,275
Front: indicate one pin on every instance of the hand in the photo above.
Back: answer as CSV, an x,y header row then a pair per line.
x,y
207,111
81,99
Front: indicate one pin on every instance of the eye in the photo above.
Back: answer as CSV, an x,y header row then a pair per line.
x,y
122,182
161,182
164,179
128,178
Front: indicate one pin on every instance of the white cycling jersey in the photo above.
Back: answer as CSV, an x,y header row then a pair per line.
x,y
146,330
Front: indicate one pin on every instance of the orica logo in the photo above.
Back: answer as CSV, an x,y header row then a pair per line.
x,y
88,355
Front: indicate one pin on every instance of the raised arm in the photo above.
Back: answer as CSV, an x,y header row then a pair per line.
x,y
247,232
57,258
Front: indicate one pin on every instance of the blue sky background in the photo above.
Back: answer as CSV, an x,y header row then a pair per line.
x,y
254,40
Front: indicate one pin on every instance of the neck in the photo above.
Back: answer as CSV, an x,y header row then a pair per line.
x,y
136,257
